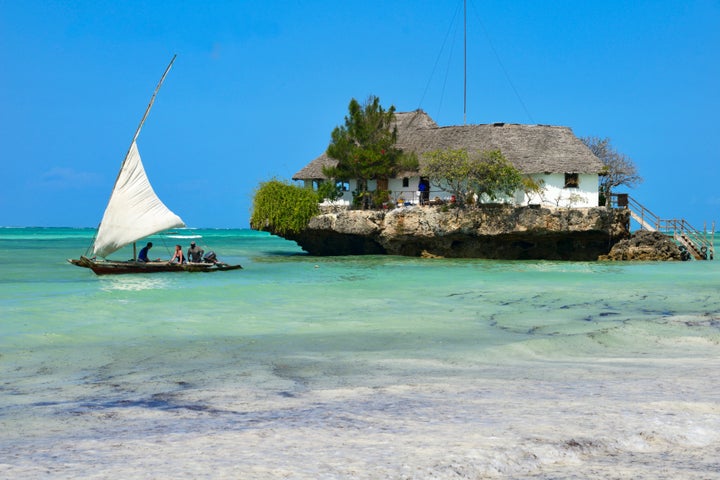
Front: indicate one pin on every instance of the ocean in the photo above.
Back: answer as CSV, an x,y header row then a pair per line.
x,y
376,367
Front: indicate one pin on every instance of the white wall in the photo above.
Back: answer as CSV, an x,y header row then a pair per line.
x,y
345,198
554,193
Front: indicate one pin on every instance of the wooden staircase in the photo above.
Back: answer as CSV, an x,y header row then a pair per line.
x,y
696,243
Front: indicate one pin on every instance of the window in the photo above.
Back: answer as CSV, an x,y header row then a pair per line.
x,y
406,182
316,184
343,186
572,180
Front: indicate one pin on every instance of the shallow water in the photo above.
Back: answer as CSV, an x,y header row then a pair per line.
x,y
354,367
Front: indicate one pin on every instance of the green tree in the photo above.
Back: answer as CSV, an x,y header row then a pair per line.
x,y
449,170
493,176
487,174
619,168
282,208
364,146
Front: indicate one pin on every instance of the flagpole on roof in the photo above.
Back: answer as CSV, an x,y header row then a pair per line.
x,y
464,62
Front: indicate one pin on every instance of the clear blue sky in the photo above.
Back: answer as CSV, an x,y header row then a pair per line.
x,y
258,87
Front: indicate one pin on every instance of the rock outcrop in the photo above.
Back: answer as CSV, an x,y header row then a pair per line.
x,y
487,231
645,245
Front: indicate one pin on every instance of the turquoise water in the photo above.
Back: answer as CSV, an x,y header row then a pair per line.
x,y
354,367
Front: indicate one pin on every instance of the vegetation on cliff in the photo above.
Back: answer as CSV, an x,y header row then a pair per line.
x,y
283,208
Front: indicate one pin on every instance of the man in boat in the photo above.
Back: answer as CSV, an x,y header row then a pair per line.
x,y
195,253
143,255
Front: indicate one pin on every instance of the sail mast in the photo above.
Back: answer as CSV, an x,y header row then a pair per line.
x,y
152,100
137,132
147,214
147,112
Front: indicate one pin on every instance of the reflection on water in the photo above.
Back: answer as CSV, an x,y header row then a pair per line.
x,y
132,283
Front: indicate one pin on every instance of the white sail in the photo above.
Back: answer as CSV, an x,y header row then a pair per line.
x,y
134,210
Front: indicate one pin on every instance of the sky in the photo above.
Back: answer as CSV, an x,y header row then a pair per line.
x,y
258,87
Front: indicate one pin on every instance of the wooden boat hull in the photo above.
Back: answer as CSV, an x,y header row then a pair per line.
x,y
109,267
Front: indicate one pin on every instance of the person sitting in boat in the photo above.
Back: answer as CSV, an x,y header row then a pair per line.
x,y
195,253
143,255
178,255
212,258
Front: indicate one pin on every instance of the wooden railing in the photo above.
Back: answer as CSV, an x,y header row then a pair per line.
x,y
699,244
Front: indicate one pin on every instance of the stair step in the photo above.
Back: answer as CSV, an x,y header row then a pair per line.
x,y
699,248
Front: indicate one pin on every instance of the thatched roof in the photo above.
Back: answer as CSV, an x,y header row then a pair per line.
x,y
531,148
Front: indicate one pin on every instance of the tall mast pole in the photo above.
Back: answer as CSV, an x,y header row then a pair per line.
x,y
152,99
137,133
147,111
464,62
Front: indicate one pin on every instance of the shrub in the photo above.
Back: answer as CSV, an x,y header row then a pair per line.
x,y
487,174
380,198
280,207
329,191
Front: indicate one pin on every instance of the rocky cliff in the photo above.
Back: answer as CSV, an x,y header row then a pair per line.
x,y
644,245
487,231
